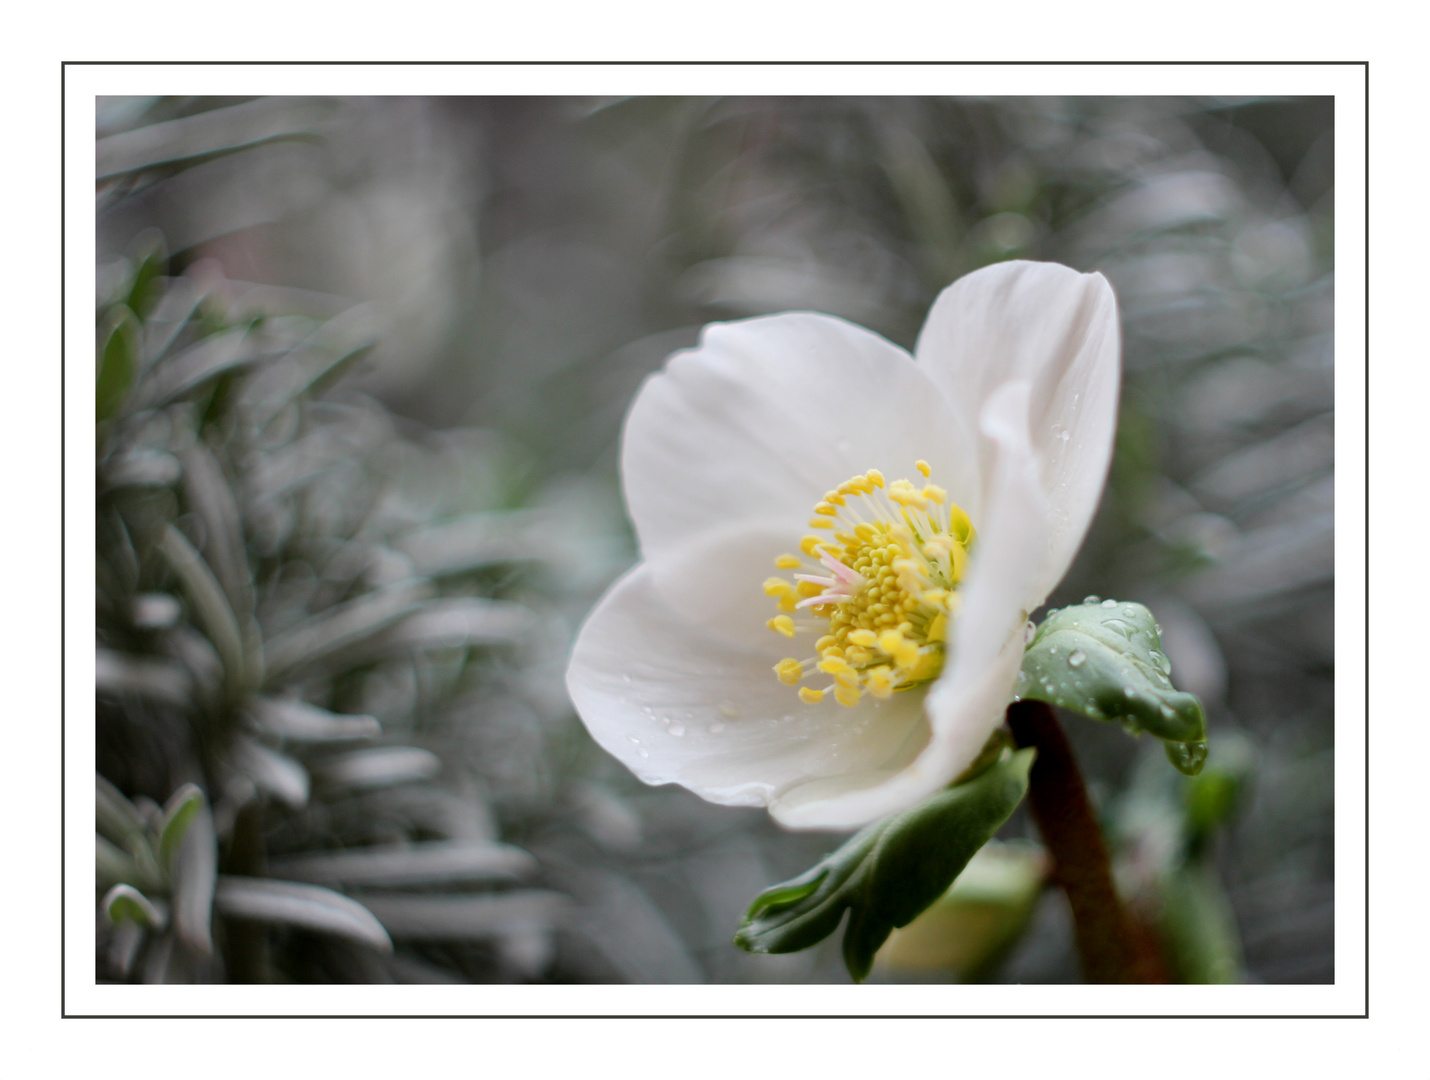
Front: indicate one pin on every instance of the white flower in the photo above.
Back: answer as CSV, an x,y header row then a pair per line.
x,y
841,674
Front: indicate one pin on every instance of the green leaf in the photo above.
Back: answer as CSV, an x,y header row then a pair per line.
x,y
1104,659
118,362
178,814
889,872
126,903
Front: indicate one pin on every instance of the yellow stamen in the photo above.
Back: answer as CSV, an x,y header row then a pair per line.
x,y
922,466
810,697
789,670
782,624
788,562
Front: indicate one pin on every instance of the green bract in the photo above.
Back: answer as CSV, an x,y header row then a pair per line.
x,y
1104,659
887,874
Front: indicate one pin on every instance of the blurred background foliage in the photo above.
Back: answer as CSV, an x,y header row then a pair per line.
x,y
360,375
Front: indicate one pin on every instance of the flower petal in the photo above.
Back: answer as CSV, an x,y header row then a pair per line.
x,y
767,414
676,705
968,701
1057,329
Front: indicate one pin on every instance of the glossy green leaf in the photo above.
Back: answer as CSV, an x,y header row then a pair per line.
x,y
889,872
1104,659
126,903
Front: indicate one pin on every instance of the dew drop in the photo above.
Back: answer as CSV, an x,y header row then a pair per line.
x,y
1130,612
1163,663
1092,599
1130,691
1028,631
678,730
729,710
1168,711
1077,658
634,739
626,678
642,752
715,729
1158,626
1109,603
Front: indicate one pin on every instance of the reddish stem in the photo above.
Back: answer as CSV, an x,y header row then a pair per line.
x,y
1111,944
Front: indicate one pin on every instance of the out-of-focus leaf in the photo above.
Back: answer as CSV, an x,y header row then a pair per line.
x,y
118,362
480,540
1104,659
205,135
380,767
1212,795
157,680
211,606
155,611
273,773
185,371
889,872
115,816
446,918
309,906
125,902
177,303
341,627
124,942
452,624
179,813
417,864
208,494
148,469
112,866
1198,926
297,721
144,288
195,872
338,341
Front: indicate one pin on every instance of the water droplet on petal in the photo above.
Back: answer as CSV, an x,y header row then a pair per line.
x,y
1109,603
1092,599
677,731
643,752
715,729
729,710
1077,658
1130,612
634,739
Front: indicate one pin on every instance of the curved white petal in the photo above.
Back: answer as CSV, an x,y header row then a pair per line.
x,y
767,414
1057,329
967,702
676,705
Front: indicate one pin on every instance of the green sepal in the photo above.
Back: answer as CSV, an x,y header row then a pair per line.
x,y
889,872
118,361
1104,659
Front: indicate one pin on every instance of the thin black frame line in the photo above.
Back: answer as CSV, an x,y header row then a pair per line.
x,y
704,63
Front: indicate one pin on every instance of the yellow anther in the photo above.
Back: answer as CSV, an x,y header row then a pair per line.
x,y
788,562
788,604
810,697
880,683
810,543
907,656
820,523
834,665
857,655
789,670
959,525
824,643
778,586
847,679
847,696
935,493
922,466
938,628
782,624
891,641
827,509
834,497
865,532
863,637
806,589
875,477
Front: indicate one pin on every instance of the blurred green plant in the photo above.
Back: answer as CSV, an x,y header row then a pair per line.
x,y
277,568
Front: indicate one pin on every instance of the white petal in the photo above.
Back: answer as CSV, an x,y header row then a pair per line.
x,y
768,414
969,699
1058,330
676,705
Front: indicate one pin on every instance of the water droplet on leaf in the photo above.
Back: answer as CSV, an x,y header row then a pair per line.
x,y
1077,658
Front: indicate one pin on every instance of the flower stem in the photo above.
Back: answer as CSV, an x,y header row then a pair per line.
x,y
1111,944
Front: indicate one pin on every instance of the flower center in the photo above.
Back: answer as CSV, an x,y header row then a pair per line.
x,y
884,588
